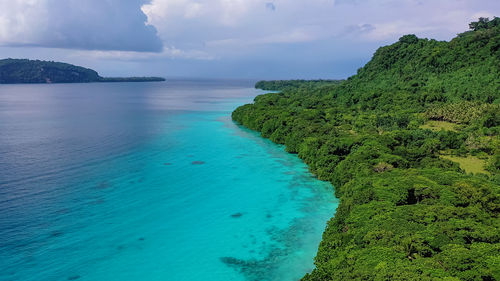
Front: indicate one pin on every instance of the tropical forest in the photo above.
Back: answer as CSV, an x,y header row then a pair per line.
x,y
411,145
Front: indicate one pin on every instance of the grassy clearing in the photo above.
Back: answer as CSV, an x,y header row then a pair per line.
x,y
439,125
470,164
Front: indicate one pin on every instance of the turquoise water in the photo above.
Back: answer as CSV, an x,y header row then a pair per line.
x,y
149,181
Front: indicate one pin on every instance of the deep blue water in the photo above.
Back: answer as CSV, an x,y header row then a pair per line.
x,y
149,181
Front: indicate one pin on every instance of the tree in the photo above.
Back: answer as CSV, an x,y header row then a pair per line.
x,y
484,23
410,39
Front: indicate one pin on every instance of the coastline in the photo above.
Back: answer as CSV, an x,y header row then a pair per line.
x,y
25,71
406,212
104,80
393,214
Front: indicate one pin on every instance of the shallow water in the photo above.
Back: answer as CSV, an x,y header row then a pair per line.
x,y
149,181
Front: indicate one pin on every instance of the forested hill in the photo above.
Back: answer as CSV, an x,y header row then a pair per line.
x,y
14,71
279,85
411,144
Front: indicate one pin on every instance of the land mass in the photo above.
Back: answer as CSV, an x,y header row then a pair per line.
x,y
24,71
411,144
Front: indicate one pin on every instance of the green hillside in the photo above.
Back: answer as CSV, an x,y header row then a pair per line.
x,y
411,144
279,85
19,71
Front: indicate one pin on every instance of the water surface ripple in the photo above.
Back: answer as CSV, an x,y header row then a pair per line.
x,y
149,181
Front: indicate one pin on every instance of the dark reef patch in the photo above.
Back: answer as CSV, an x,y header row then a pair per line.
x,y
56,233
197,162
74,277
237,215
274,253
252,269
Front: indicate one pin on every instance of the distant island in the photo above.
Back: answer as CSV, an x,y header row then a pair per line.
x,y
24,71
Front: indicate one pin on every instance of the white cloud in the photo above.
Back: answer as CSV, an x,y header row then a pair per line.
x,y
193,10
77,24
194,23
262,34
214,26
17,19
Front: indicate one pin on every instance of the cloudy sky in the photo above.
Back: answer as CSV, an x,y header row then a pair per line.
x,y
261,39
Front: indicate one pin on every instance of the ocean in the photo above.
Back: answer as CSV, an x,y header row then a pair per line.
x,y
150,181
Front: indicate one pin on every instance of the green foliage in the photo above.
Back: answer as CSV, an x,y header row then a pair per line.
x,y
470,164
439,125
465,112
13,71
484,23
35,71
405,213
279,85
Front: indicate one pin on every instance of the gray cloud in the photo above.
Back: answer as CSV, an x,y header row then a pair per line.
x,y
300,38
270,6
358,29
77,24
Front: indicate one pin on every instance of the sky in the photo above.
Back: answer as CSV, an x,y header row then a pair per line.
x,y
256,39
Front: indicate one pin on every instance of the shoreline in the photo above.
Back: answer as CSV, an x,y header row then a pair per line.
x,y
395,194
110,80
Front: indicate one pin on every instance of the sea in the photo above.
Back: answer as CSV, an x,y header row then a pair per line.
x,y
150,181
